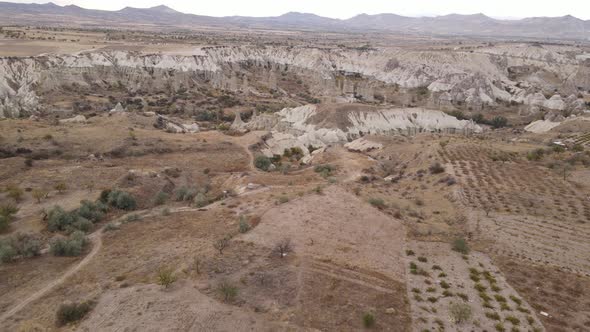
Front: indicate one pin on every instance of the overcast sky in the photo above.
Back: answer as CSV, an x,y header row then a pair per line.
x,y
347,8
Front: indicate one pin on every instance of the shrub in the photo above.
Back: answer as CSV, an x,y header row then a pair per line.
x,y
4,223
94,212
221,244
7,252
19,244
121,200
262,162
368,320
410,252
513,320
61,187
39,194
436,168
228,291
14,192
72,312
71,246
536,155
244,226
283,247
185,194
422,259
492,315
110,227
200,200
8,210
500,327
378,203
166,277
460,312
60,220
460,245
463,296
499,122
161,198
324,170
283,199
578,148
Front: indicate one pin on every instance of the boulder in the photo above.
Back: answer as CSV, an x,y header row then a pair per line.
x,y
76,119
118,109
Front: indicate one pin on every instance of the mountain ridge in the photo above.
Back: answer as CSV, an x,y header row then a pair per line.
x,y
562,27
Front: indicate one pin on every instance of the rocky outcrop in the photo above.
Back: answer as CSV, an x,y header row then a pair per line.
x,y
477,78
362,145
328,124
76,119
173,126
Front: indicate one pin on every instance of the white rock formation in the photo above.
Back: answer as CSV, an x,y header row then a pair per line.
x,y
118,109
76,119
541,126
362,145
477,78
299,126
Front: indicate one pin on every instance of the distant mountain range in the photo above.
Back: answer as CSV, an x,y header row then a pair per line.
x,y
50,14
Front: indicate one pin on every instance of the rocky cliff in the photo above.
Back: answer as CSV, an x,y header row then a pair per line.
x,y
548,77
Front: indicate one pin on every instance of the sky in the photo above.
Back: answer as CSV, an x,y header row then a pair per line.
x,y
343,9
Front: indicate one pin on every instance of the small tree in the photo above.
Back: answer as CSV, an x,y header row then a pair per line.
x,y
283,247
39,194
221,244
262,162
166,277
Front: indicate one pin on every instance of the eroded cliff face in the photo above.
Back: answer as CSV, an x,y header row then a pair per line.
x,y
319,126
486,77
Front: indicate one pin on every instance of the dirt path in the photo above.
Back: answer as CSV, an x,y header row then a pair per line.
x,y
96,239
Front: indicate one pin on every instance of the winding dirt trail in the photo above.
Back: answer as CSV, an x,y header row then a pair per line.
x,y
96,239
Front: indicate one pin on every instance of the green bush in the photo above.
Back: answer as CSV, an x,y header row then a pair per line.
x,y
6,214
121,200
228,291
4,223
7,253
161,198
200,200
72,312
324,170
460,245
262,162
499,122
436,168
94,212
244,225
71,246
368,320
378,203
460,312
185,194
24,245
60,220
166,277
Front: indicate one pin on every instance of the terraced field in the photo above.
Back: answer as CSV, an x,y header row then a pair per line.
x,y
528,212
